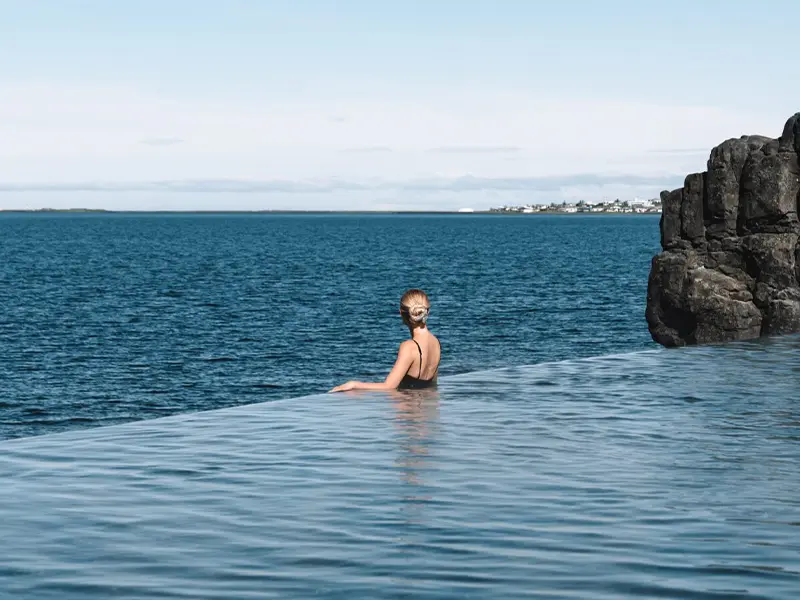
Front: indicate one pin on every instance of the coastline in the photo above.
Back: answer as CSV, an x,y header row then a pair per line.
x,y
318,212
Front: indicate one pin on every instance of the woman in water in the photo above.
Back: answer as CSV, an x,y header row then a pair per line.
x,y
417,363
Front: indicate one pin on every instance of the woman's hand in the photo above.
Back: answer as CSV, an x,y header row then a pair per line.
x,y
345,387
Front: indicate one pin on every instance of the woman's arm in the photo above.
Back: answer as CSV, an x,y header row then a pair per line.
x,y
405,356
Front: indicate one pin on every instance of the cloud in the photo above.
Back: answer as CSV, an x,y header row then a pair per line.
x,y
681,151
476,150
162,141
539,184
368,150
411,142
466,183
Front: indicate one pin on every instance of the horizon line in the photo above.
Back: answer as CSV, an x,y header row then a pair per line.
x,y
465,211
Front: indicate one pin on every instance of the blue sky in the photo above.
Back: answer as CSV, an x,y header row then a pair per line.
x,y
178,104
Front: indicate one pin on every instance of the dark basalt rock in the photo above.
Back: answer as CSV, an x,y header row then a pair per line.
x,y
730,265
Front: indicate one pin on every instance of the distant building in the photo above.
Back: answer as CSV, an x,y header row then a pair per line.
x,y
617,206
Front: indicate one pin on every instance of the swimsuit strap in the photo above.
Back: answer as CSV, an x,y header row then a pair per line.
x,y
420,357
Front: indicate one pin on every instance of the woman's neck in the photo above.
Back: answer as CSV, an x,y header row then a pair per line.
x,y
419,332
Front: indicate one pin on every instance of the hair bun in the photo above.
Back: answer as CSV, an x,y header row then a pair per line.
x,y
418,313
415,307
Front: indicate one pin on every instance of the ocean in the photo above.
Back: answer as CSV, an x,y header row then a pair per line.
x,y
563,456
110,318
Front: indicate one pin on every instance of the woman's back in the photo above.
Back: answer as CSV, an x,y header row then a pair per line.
x,y
425,366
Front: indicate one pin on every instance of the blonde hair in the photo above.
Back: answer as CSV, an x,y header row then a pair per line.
x,y
415,307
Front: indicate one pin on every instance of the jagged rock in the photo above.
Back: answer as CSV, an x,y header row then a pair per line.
x,y
671,219
693,227
730,265
725,165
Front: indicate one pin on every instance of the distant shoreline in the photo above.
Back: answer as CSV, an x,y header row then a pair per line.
x,y
317,212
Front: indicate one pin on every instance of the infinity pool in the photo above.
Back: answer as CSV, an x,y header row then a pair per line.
x,y
660,474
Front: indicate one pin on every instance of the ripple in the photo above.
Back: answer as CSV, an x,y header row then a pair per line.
x,y
153,300
600,485
647,474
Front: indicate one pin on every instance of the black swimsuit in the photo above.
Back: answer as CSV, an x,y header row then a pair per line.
x,y
415,383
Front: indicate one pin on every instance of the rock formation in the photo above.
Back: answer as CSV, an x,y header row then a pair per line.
x,y
730,265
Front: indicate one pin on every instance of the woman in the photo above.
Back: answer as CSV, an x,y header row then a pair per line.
x,y
417,363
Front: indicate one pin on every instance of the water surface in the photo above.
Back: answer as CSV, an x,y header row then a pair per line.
x,y
657,474
109,318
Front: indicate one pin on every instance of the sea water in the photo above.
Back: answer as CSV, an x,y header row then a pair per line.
x,y
656,474
607,468
109,318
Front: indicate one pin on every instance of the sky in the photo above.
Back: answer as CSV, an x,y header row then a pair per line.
x,y
363,104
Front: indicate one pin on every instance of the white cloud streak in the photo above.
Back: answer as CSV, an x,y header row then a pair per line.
x,y
54,137
460,184
161,141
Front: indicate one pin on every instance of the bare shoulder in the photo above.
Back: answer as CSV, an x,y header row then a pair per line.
x,y
408,346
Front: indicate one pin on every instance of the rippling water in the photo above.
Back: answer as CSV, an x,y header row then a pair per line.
x,y
656,474
116,317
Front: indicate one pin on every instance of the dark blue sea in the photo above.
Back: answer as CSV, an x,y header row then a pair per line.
x,y
164,435
109,318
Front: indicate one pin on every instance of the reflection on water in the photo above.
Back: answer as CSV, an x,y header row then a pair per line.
x,y
664,474
416,419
